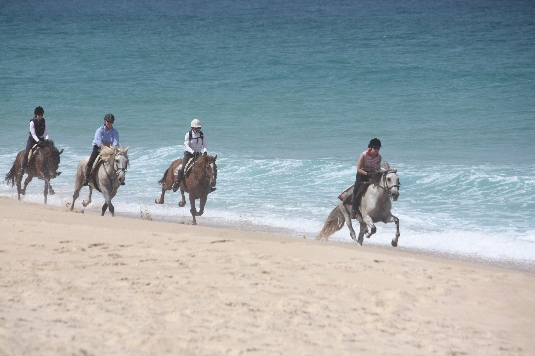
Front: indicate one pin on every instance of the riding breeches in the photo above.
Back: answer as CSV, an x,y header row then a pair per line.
x,y
185,160
92,158
29,144
358,180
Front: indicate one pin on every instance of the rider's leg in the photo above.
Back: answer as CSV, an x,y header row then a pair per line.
x,y
29,145
90,163
180,172
358,180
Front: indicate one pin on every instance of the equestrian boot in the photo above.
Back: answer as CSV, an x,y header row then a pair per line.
x,y
354,205
86,177
176,184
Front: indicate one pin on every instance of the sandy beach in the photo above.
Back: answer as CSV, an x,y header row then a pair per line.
x,y
81,284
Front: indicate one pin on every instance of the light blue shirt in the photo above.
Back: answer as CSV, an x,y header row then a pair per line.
x,y
104,136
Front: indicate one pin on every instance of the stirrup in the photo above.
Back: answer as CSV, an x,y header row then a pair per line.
x,y
175,186
85,182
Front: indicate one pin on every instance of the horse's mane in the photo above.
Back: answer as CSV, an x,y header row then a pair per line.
x,y
107,152
49,144
385,167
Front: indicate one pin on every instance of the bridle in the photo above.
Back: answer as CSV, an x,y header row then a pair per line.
x,y
386,187
208,176
117,169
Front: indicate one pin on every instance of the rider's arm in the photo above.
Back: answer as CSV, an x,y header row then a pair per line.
x,y
45,135
115,137
98,138
32,132
360,164
186,144
204,149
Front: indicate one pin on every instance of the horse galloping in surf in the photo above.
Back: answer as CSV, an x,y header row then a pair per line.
x,y
43,164
375,205
108,175
198,182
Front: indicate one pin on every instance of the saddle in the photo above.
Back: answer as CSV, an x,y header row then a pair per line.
x,y
347,195
188,167
32,152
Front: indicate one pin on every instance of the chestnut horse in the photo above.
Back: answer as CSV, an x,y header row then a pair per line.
x,y
198,182
43,165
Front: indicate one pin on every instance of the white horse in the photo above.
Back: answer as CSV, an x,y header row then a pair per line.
x,y
375,206
108,176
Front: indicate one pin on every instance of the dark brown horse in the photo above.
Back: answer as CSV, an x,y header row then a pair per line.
x,y
198,182
43,165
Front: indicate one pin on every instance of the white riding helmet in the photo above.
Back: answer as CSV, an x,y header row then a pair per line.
x,y
196,123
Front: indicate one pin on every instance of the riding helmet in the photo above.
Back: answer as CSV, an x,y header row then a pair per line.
x,y
374,143
39,111
196,123
109,117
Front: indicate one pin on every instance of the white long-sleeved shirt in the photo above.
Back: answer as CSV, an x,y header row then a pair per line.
x,y
196,144
34,135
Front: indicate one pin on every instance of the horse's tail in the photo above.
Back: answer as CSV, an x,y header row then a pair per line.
x,y
10,176
162,181
334,223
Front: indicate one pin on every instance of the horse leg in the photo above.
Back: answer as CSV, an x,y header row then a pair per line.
x,y
50,190
107,199
26,182
182,203
77,187
363,230
202,204
368,221
87,201
347,218
396,220
160,200
46,191
192,209
104,208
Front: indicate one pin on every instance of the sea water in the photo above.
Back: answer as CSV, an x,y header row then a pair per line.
x,y
289,94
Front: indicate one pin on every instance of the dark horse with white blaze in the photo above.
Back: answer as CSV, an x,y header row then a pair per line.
x,y
107,176
375,205
198,182
43,165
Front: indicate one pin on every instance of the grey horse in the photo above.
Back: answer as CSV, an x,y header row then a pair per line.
x,y
375,206
110,175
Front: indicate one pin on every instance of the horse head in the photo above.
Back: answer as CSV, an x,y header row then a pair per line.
x,y
121,162
391,182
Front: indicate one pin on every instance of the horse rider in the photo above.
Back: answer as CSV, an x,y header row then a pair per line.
x,y
194,144
369,161
106,135
38,133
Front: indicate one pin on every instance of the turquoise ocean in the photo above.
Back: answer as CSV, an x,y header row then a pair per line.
x,y
290,93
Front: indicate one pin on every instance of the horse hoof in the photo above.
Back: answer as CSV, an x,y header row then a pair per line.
x,y
182,204
360,242
85,203
353,236
394,243
51,192
157,201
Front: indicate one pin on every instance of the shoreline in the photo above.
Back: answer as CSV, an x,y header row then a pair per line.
x,y
510,264
206,221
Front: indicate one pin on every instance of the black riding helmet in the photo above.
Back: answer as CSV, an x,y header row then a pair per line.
x,y
374,143
109,117
39,111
